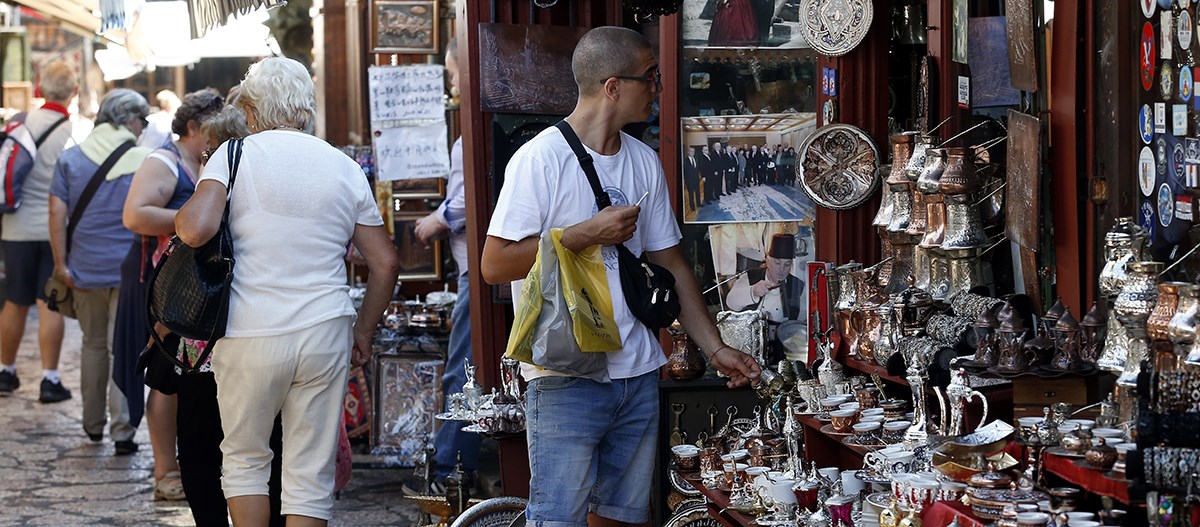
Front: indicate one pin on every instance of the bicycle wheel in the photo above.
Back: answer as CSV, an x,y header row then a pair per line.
x,y
493,512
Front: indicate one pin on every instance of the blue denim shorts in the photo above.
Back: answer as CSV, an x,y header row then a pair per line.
x,y
591,448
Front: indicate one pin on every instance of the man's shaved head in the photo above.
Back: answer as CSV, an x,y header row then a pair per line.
x,y
605,52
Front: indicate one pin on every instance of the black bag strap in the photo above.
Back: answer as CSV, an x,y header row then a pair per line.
x,y
53,127
234,156
90,190
586,162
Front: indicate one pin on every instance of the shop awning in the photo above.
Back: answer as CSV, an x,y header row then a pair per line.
x,y
160,38
207,14
77,16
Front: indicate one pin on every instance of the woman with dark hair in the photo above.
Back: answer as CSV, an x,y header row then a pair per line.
x,y
164,181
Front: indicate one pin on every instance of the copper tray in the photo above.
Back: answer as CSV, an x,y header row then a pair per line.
x,y
838,167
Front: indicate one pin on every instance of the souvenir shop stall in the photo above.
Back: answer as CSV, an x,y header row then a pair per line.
x,y
920,229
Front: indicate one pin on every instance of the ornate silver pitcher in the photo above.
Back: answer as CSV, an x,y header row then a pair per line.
x,y
847,299
1182,328
958,394
1133,306
1124,243
965,268
903,266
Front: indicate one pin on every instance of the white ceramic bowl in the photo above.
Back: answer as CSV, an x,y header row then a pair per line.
x,y
896,426
1032,519
1107,432
1086,424
843,413
1074,516
862,428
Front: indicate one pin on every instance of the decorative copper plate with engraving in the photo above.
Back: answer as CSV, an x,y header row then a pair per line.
x,y
1022,57
838,167
1024,160
527,69
834,27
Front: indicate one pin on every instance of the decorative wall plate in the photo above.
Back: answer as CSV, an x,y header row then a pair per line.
x,y
695,516
680,484
834,27
838,167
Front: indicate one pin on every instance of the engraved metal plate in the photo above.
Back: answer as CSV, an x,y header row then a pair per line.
x,y
834,27
839,167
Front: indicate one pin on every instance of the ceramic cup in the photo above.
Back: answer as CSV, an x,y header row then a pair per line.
x,y
1032,519
842,420
893,431
1079,516
866,433
1084,424
951,491
687,457
1083,523
851,485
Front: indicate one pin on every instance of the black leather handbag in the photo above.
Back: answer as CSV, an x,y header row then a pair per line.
x,y
649,288
190,286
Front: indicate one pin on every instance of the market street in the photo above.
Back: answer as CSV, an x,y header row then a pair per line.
x,y
52,475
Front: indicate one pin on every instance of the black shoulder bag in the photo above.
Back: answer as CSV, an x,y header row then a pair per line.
x,y
190,287
649,288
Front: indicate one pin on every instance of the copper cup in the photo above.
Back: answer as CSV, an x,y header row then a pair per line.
x,y
842,421
867,397
759,455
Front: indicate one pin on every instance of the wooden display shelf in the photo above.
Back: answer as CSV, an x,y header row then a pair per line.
x,y
718,500
1089,479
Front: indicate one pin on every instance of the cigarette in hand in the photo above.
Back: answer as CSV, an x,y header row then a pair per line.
x,y
641,199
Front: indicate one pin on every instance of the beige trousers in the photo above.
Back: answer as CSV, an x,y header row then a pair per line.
x,y
301,375
97,312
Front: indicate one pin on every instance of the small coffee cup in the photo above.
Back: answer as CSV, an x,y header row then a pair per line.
x,y
842,420
1032,519
687,457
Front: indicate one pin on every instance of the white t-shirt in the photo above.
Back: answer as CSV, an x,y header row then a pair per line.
x,y
295,203
544,188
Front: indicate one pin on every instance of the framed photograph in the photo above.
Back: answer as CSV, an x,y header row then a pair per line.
x,y
428,188
762,267
742,168
404,26
407,394
417,260
741,24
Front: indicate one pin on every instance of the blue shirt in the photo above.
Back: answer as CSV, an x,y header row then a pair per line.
x,y
100,241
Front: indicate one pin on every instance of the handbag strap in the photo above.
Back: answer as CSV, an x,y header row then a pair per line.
x,y
234,153
90,190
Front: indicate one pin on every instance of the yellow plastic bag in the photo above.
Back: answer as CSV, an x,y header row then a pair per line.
x,y
529,306
585,289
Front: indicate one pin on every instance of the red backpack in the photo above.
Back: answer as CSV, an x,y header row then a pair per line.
x,y
18,150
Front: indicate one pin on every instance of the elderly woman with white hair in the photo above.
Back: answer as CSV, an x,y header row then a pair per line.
x,y
295,205
88,251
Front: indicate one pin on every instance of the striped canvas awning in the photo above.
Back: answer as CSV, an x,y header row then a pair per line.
x,y
207,14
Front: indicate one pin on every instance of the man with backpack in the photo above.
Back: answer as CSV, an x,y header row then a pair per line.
x,y
25,231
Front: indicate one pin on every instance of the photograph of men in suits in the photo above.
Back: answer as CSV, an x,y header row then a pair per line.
x,y
691,181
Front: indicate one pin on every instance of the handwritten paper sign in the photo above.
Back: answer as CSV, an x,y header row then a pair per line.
x,y
405,93
412,152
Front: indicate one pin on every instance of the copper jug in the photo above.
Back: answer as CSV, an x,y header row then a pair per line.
x,y
903,264
884,215
847,299
685,362
916,161
1164,310
959,175
935,220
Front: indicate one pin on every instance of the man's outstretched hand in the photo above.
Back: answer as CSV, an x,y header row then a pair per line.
x,y
741,368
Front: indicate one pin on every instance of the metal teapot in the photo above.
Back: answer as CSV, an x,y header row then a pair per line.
x,y
958,394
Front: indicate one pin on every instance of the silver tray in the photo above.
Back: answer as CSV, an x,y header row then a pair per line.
x,y
838,167
834,27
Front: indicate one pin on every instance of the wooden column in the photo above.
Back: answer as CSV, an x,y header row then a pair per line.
x,y
1067,191
862,101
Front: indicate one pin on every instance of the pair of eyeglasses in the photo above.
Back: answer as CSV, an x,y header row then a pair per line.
x,y
655,78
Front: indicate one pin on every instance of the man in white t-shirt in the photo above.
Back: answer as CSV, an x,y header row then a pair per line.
x,y
590,442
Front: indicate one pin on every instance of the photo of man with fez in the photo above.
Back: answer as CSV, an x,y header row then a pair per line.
x,y
765,262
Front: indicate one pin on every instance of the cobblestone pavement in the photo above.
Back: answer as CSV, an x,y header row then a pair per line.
x,y
52,475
